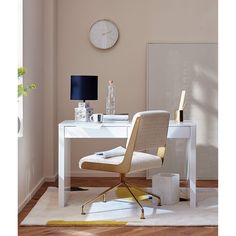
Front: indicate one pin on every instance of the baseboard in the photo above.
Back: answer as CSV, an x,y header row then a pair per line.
x,y
51,178
207,178
35,189
150,173
31,194
87,173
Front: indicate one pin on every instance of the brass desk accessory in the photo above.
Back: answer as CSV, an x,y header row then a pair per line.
x,y
179,114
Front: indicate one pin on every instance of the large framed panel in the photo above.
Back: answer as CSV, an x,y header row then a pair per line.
x,y
171,68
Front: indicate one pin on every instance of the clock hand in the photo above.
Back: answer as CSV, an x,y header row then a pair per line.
x,y
106,32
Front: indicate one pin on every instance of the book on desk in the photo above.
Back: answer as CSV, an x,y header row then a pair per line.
x,y
116,118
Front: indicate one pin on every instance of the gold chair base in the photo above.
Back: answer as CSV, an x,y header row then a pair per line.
x,y
128,186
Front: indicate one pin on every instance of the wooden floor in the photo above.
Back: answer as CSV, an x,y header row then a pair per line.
x,y
110,231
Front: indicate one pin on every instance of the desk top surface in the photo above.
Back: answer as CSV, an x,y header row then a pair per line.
x,y
75,123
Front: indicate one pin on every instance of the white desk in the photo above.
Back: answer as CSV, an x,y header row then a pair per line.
x,y
73,129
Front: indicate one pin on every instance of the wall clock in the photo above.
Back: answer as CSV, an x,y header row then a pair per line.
x,y
103,34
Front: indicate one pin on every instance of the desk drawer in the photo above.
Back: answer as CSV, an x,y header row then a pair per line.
x,y
177,132
101,132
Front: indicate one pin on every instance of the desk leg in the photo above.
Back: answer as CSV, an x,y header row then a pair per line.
x,y
191,152
63,168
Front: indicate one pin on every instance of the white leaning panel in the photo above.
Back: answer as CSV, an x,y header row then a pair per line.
x,y
193,67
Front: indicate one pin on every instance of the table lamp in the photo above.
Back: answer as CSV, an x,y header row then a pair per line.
x,y
83,87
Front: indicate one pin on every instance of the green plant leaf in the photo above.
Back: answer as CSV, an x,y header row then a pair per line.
x,y
21,71
23,90
32,86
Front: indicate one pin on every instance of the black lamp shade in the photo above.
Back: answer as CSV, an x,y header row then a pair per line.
x,y
84,87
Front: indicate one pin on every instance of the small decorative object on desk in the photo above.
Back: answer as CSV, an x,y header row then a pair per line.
x,y
98,117
117,117
83,114
179,114
110,99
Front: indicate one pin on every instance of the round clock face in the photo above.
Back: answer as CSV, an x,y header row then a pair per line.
x,y
103,34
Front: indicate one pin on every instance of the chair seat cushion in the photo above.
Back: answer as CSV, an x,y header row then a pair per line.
x,y
140,161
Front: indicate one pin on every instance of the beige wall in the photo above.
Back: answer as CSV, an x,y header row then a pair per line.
x,y
49,91
38,147
139,22
30,146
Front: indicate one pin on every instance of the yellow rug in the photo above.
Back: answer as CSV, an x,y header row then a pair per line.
x,y
87,223
121,209
123,193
